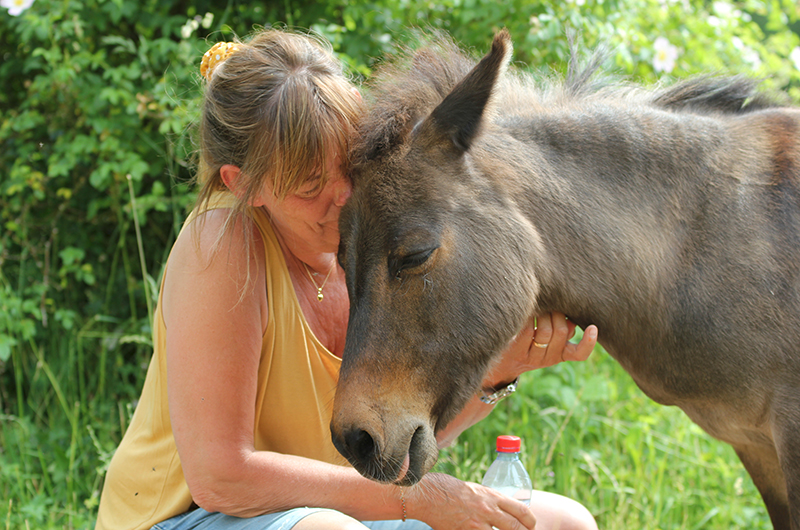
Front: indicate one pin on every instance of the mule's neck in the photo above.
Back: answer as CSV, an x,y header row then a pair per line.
x,y
613,198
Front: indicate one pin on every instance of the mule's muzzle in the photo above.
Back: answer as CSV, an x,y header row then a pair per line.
x,y
378,460
358,446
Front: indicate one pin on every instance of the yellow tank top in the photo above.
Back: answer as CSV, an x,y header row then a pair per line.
x,y
297,377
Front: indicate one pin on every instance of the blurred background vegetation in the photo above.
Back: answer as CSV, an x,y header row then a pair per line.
x,y
97,108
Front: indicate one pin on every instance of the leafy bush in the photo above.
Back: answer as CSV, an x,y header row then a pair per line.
x,y
96,152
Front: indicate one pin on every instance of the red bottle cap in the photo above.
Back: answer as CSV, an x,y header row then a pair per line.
x,y
508,444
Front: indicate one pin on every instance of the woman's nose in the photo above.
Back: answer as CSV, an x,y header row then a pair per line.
x,y
342,192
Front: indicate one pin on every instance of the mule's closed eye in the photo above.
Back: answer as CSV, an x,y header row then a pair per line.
x,y
411,261
416,259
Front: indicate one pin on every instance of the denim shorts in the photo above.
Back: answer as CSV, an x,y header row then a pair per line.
x,y
199,519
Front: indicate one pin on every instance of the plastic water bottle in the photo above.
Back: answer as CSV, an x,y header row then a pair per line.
x,y
507,474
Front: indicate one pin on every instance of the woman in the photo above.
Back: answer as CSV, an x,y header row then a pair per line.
x,y
231,430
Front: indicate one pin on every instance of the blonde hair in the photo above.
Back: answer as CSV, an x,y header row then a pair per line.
x,y
277,108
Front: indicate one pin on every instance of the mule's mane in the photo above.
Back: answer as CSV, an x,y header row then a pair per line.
x,y
407,88
735,95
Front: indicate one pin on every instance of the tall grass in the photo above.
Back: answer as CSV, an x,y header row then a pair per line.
x,y
587,432
69,401
64,427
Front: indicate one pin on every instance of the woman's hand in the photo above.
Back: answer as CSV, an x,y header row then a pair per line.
x,y
444,503
543,342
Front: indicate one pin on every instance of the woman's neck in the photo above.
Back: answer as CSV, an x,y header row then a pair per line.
x,y
309,271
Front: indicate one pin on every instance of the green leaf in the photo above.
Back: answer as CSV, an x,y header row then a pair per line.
x,y
6,343
72,255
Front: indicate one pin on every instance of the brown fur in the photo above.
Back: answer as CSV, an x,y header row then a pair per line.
x,y
669,218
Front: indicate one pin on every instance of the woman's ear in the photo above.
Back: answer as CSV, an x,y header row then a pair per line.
x,y
230,176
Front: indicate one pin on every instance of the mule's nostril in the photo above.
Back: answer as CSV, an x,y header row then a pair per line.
x,y
360,444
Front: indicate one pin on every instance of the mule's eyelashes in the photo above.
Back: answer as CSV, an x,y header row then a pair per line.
x,y
410,262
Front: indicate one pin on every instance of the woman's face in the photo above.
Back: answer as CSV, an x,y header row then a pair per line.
x,y
310,216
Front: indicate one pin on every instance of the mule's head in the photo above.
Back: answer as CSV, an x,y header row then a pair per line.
x,y
434,253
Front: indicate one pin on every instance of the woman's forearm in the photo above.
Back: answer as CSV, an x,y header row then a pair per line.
x,y
265,482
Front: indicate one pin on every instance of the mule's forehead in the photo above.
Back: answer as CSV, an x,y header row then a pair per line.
x,y
409,183
391,223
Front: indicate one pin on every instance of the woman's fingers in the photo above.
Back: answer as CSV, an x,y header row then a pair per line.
x,y
543,342
469,505
582,350
518,515
508,513
550,342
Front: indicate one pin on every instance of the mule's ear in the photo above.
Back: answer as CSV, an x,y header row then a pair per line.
x,y
458,117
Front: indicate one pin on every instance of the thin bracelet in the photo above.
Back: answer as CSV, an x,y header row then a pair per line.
x,y
403,502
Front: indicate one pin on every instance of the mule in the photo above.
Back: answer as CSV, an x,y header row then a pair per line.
x,y
668,217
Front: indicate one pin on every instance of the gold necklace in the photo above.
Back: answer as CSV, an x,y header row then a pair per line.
x,y
319,287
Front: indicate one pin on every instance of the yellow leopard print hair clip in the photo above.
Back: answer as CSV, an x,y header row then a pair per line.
x,y
218,53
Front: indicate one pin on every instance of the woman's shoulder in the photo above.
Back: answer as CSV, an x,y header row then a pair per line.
x,y
217,256
218,235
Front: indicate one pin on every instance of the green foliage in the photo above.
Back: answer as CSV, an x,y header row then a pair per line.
x,y
97,108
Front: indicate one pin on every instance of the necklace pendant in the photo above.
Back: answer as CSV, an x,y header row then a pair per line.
x,y
319,287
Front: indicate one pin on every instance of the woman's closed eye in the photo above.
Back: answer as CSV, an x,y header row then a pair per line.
x,y
311,188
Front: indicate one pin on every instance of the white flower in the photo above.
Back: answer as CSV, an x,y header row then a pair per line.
x,y
723,9
748,54
795,57
188,28
186,31
666,54
16,7
752,57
